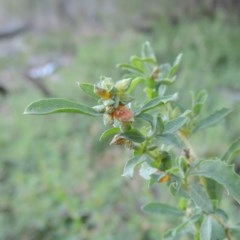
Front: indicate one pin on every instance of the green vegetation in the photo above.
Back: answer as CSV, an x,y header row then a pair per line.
x,y
57,180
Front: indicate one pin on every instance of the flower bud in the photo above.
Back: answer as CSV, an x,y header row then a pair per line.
x,y
155,73
101,92
110,109
118,140
123,114
123,85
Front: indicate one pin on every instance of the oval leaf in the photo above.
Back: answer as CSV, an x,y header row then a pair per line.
x,y
157,101
162,208
131,164
147,51
57,105
221,173
200,197
175,124
169,139
88,89
206,228
133,135
109,132
231,152
175,65
213,119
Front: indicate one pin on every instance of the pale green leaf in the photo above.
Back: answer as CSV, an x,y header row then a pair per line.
x,y
58,105
88,89
138,62
175,65
146,171
181,229
198,101
200,197
146,117
218,232
231,152
109,132
130,68
158,101
220,172
173,125
206,228
134,83
168,139
147,51
162,209
213,119
131,164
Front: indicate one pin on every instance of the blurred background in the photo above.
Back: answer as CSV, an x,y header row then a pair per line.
x,y
57,181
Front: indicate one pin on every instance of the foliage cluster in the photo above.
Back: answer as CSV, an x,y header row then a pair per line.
x,y
157,129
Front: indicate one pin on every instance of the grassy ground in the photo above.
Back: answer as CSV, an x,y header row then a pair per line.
x,y
57,180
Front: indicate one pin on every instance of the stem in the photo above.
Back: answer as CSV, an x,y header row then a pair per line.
x,y
188,145
226,229
197,232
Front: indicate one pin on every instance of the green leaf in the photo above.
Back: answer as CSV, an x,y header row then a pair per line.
x,y
206,228
175,124
146,117
231,152
136,60
158,101
133,135
168,139
220,172
182,228
109,132
199,196
164,70
218,232
163,209
88,89
175,65
198,101
131,164
235,231
157,125
134,83
147,51
213,119
58,105
130,68
146,171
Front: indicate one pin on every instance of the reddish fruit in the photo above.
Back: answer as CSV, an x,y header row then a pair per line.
x,y
123,114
